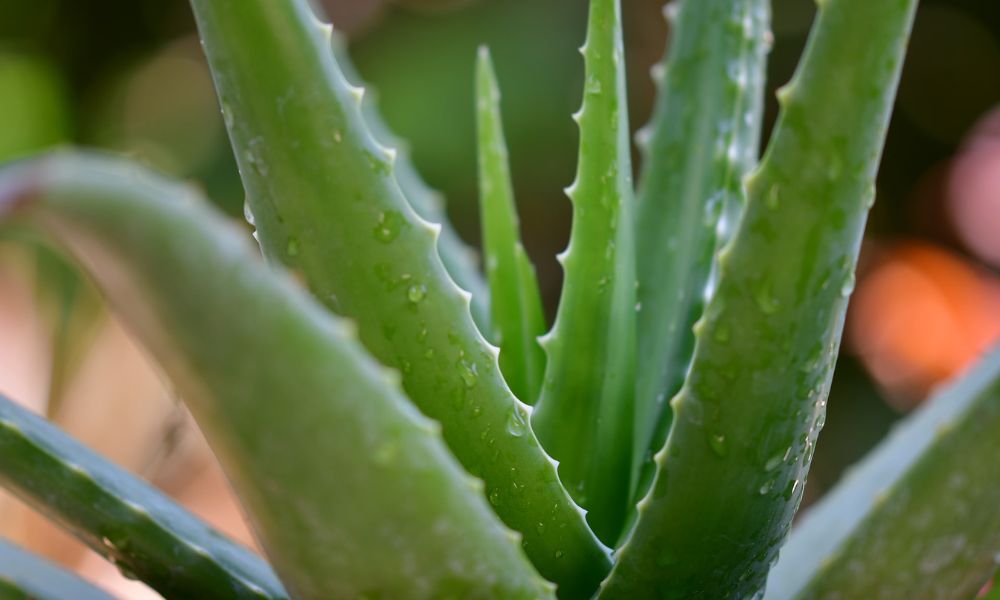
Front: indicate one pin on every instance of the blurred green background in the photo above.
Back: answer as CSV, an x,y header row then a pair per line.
x,y
128,76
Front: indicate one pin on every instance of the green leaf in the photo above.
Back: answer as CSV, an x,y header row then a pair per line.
x,y
702,140
325,202
459,259
123,519
350,490
917,517
994,593
24,576
516,303
584,415
731,474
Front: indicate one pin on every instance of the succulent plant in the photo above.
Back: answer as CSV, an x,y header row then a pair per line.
x,y
653,443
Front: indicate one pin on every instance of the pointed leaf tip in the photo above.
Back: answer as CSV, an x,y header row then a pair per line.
x,y
515,299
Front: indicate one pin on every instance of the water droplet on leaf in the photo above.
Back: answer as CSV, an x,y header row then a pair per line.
x,y
717,442
515,422
390,223
416,293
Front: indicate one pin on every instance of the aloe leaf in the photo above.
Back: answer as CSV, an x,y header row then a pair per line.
x,y
26,576
123,519
702,140
351,491
731,474
917,517
459,259
325,201
585,412
516,303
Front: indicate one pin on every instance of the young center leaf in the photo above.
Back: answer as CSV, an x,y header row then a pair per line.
x,y
584,416
515,302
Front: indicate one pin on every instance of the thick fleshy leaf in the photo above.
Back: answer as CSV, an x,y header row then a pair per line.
x,y
24,576
350,490
122,518
702,141
459,259
515,302
917,518
731,474
584,416
325,201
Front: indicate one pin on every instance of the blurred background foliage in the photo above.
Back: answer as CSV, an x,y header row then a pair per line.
x,y
128,76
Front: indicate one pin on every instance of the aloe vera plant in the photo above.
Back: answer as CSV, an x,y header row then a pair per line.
x,y
654,443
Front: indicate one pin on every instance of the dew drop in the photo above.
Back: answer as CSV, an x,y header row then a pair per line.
x,y
495,497
717,442
775,461
790,489
766,301
227,115
764,489
558,554
390,223
416,293
773,198
515,422
467,371
593,86
870,196
847,285
253,157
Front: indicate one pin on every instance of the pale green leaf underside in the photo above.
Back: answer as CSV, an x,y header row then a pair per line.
x,y
122,518
917,518
316,437
515,302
